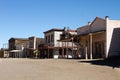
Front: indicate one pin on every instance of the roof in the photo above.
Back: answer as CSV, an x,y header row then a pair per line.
x,y
54,29
92,32
18,38
86,29
95,20
16,51
71,30
83,30
82,27
35,37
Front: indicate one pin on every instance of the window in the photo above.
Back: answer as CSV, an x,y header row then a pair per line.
x,y
46,39
49,39
31,44
52,38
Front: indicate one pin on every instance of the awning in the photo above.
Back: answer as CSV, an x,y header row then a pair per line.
x,y
16,51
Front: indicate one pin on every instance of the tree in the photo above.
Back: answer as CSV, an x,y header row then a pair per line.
x,y
36,52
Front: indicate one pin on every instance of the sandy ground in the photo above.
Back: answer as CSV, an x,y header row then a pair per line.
x,y
54,69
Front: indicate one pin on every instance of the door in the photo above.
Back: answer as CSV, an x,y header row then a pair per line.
x,y
99,50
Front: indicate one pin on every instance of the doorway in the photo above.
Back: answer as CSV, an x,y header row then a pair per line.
x,y
99,50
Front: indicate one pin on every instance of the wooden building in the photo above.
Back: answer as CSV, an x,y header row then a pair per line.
x,y
54,46
17,47
24,47
96,38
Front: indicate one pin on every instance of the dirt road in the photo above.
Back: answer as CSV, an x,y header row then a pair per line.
x,y
54,69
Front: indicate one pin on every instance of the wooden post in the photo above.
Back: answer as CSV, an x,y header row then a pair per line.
x,y
62,52
48,53
86,54
91,57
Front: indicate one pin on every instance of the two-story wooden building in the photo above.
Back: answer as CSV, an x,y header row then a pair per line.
x,y
17,47
54,47
24,47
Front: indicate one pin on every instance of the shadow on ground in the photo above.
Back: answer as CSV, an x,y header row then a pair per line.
x,y
113,62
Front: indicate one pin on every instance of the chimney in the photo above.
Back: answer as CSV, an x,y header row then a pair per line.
x,y
106,17
89,23
89,26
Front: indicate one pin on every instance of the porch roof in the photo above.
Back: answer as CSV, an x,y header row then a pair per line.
x,y
65,40
91,32
16,51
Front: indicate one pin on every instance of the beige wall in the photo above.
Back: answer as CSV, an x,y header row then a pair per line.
x,y
96,37
112,48
56,38
100,36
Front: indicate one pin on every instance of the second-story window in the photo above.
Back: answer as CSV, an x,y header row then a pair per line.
x,y
52,38
30,44
49,39
46,39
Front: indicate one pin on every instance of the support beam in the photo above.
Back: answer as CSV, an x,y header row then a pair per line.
x,y
48,54
91,57
62,52
86,53
72,48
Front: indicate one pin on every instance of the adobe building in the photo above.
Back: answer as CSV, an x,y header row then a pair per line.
x,y
100,38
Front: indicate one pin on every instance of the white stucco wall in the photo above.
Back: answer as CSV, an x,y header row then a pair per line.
x,y
49,34
56,34
111,25
57,37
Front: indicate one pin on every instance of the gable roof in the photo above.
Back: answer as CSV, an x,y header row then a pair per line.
x,y
92,27
98,24
83,30
96,19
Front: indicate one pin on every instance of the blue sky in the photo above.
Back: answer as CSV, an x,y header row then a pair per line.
x,y
25,18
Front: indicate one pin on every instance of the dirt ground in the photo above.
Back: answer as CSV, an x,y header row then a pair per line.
x,y
55,69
